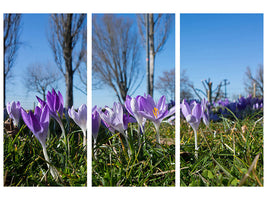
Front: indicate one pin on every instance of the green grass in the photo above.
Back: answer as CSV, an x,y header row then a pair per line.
x,y
139,165
24,163
230,153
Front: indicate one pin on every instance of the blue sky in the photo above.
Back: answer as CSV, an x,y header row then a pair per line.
x,y
35,49
165,61
215,46
221,46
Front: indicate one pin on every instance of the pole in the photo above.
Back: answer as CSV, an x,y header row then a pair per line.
x,y
210,92
254,89
225,94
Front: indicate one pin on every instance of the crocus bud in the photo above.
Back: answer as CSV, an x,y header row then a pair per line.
x,y
96,120
13,110
80,117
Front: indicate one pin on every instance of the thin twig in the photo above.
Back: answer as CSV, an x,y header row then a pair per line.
x,y
162,173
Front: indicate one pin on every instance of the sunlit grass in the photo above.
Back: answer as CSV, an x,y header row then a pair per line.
x,y
24,163
230,153
139,165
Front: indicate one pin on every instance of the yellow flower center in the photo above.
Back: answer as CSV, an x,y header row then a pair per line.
x,y
156,112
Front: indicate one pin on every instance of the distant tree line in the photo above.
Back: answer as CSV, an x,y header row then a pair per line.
x,y
253,85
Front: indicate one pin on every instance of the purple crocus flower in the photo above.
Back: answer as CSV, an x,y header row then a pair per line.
x,y
242,103
106,124
205,112
134,106
223,102
257,106
96,120
115,119
37,122
13,110
80,118
127,119
55,104
192,114
155,112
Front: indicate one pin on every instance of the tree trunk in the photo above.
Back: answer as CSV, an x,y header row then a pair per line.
x,y
4,82
68,63
69,88
123,94
44,92
151,54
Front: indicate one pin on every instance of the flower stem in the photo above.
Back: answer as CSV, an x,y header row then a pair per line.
x,y
196,148
65,139
157,136
125,135
139,135
52,169
62,128
84,138
94,149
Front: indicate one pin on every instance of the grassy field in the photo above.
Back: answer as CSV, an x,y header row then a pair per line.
x,y
140,165
230,153
24,163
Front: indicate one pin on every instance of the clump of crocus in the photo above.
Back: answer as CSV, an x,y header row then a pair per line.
x,y
13,110
116,120
80,118
38,123
155,112
55,103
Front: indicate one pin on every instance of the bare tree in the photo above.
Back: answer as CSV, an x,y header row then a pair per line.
x,y
82,73
211,94
254,83
115,54
166,84
65,31
82,70
12,28
40,77
185,87
159,26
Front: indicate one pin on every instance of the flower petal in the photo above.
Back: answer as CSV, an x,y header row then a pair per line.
x,y
26,118
95,123
161,103
148,116
42,103
185,108
197,111
127,104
